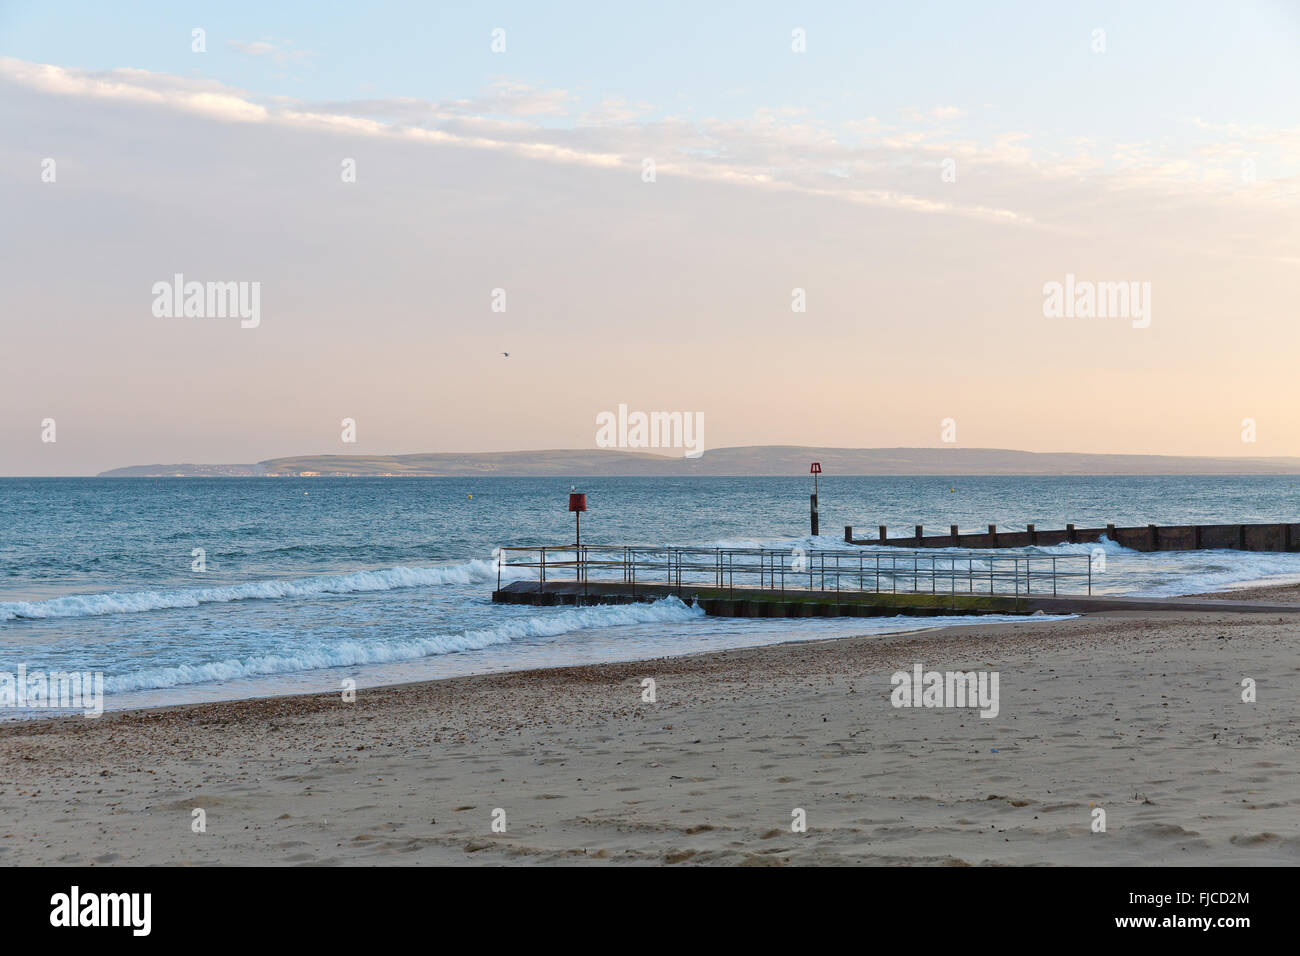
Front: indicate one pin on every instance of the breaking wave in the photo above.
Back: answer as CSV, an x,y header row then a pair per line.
x,y
134,602
355,653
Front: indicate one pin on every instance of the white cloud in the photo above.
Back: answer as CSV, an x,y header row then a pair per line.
x,y
279,52
1006,177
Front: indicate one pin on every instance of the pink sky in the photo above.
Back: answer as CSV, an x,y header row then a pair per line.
x,y
924,297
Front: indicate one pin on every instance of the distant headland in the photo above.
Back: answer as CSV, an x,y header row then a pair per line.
x,y
767,460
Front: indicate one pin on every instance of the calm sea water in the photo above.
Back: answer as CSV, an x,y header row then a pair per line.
x,y
308,581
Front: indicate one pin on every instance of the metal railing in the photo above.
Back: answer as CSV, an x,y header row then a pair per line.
x,y
1019,573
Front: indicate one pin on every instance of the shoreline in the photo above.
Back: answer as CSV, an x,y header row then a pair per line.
x,y
420,682
1098,710
1286,593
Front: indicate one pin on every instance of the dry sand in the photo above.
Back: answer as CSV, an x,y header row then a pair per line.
x,y
1139,714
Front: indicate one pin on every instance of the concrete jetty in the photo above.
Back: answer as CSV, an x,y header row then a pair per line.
x,y
765,602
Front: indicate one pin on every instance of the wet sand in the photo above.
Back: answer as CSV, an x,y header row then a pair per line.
x,y
1288,593
1137,714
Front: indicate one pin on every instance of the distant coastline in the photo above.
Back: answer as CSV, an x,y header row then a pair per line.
x,y
751,460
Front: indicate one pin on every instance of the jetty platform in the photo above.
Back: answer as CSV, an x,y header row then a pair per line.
x,y
756,583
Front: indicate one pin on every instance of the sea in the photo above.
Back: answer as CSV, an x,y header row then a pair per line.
x,y
200,589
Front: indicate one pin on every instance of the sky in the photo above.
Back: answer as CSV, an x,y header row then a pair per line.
x,y
817,223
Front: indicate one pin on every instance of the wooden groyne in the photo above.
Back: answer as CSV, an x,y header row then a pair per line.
x,y
1187,537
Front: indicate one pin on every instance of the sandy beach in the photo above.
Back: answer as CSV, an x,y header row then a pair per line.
x,y
1139,715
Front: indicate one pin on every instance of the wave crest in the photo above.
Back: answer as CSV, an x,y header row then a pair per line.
x,y
354,653
134,602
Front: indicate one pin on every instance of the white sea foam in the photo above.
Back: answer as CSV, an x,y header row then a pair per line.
x,y
387,579
355,653
1088,547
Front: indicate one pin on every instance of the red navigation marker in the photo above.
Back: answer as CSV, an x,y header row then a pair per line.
x,y
577,504
816,468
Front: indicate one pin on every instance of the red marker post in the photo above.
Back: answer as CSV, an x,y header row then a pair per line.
x,y
578,504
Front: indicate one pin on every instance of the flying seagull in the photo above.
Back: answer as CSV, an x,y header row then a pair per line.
x,y
506,354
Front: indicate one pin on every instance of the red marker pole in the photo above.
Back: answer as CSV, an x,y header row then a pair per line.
x,y
577,504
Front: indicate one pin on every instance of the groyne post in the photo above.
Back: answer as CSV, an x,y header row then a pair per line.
x,y
815,469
